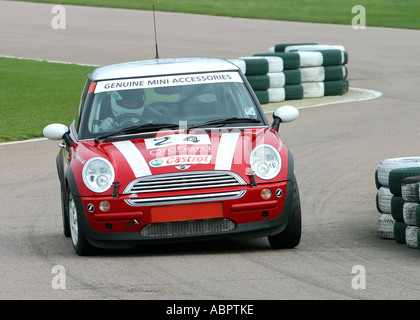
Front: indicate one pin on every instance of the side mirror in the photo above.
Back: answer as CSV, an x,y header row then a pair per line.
x,y
283,115
57,131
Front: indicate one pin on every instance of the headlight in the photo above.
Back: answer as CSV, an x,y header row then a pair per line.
x,y
265,161
98,174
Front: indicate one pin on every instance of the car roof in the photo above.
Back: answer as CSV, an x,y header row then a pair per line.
x,y
156,67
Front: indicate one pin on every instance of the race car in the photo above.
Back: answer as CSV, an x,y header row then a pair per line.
x,y
167,150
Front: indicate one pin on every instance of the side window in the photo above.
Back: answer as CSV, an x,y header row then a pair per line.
x,y
81,105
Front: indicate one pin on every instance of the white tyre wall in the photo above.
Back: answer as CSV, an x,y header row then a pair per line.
x,y
387,165
408,188
409,213
314,47
411,236
310,59
384,200
313,90
386,226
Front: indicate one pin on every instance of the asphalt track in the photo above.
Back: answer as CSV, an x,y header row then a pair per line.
x,y
337,148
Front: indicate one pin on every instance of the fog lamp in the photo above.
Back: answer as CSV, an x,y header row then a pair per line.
x,y
266,193
104,206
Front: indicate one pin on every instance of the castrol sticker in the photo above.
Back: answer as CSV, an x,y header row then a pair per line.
x,y
179,160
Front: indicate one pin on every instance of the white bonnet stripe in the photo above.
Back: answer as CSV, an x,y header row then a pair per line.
x,y
226,151
134,158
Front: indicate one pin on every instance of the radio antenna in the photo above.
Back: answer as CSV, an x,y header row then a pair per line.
x,y
154,23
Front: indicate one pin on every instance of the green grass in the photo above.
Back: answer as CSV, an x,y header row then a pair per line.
x,y
382,13
35,94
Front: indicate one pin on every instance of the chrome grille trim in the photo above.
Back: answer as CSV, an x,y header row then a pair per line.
x,y
184,181
187,228
138,202
140,188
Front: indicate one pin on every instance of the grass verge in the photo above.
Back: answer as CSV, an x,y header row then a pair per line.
x,y
35,94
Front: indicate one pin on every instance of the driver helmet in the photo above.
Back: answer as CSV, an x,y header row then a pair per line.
x,y
127,101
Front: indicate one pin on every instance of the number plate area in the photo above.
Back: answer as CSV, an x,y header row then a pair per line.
x,y
186,212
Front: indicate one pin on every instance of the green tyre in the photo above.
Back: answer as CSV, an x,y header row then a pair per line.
x,y
396,177
397,208
399,231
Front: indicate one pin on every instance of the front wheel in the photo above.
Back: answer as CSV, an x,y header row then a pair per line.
x,y
78,238
290,236
65,213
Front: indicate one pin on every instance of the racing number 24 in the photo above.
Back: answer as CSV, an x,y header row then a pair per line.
x,y
167,140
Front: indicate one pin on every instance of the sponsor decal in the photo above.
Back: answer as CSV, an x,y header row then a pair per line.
x,y
161,152
180,160
167,81
175,139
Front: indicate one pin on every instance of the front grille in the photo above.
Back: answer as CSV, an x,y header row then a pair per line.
x,y
183,181
184,228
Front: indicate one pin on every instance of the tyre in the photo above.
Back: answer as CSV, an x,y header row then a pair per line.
x,y
281,47
383,200
418,216
65,213
313,89
270,95
411,236
78,238
385,167
293,92
377,183
408,188
333,73
310,59
290,236
399,231
386,226
397,206
396,177
409,213
335,88
292,77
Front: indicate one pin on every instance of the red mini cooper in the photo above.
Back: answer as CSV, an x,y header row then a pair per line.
x,y
170,150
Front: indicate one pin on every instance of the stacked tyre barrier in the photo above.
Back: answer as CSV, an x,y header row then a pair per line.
x,y
398,200
296,71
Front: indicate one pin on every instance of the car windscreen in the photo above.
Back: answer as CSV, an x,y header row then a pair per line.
x,y
190,100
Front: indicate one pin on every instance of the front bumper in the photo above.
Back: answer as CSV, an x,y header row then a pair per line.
x,y
247,217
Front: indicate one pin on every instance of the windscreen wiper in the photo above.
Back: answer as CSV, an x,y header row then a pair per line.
x,y
138,129
222,122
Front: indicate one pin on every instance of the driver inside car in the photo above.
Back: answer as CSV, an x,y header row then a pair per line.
x,y
127,106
